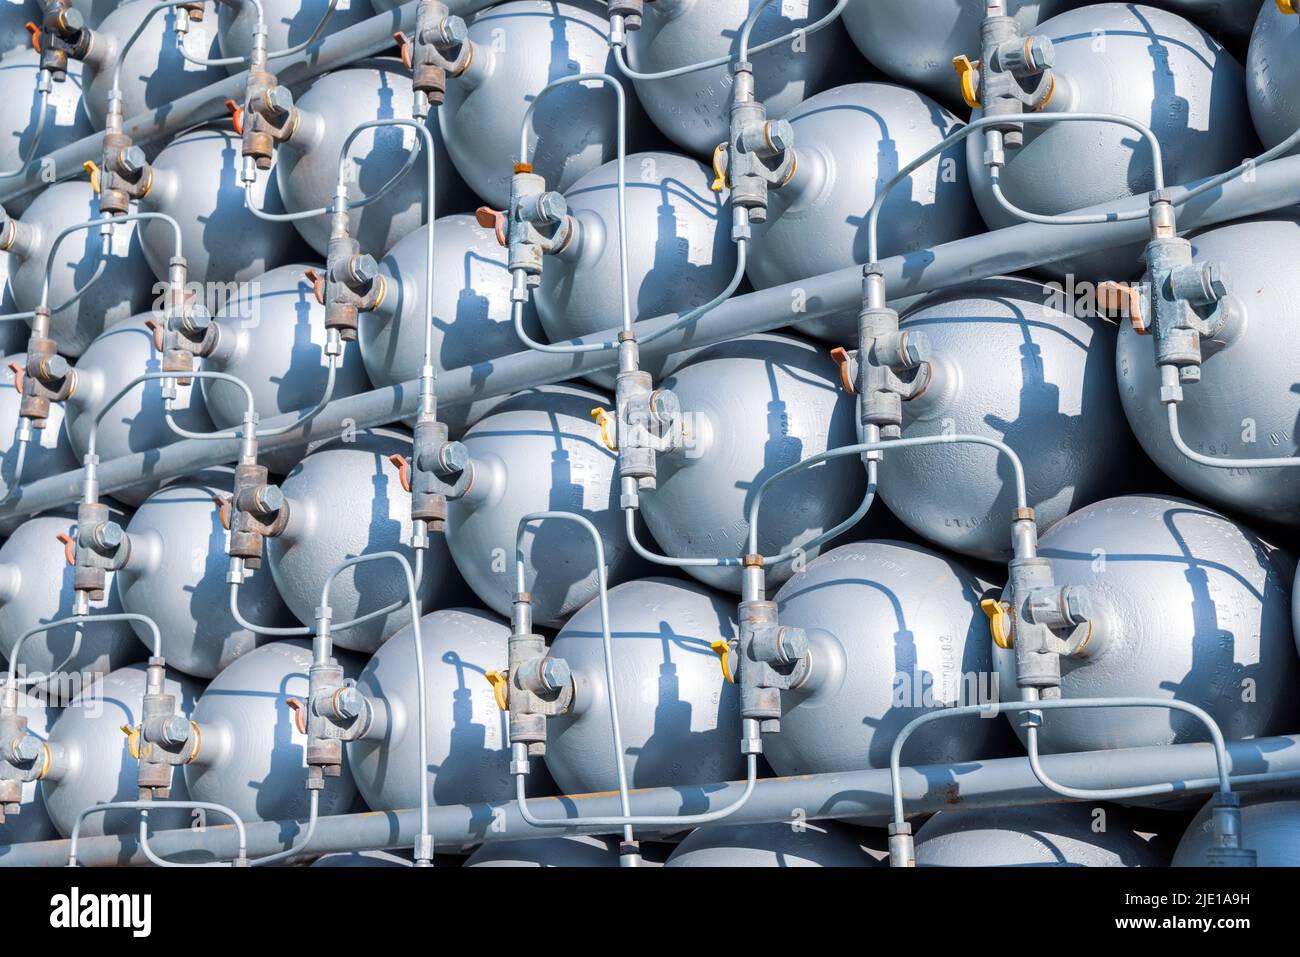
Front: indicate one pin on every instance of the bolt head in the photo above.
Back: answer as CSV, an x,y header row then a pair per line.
x,y
56,367
176,730
556,673
780,134
665,407
1041,52
27,749
1078,604
133,160
364,268
1216,280
453,30
552,207
794,643
197,318
455,457
279,99
916,346
270,497
349,702
109,534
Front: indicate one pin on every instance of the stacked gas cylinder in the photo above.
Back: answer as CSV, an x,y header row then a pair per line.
x,y
309,557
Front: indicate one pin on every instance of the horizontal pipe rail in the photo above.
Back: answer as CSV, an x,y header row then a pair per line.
x,y
1275,185
334,51
863,796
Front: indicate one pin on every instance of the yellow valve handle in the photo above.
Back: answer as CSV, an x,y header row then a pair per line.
x,y
93,170
1288,6
602,418
719,174
498,682
999,621
966,70
722,649
132,740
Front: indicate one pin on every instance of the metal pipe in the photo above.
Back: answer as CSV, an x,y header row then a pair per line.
x,y
1002,782
1276,185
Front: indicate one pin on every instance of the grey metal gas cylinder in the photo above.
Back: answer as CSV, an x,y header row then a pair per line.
x,y
693,109
849,141
569,851
1245,405
253,757
289,23
751,408
65,115
36,588
539,451
91,762
307,165
914,41
1149,65
680,717
346,499
176,576
126,286
781,844
48,451
1228,21
196,181
468,743
470,307
519,47
272,337
1015,361
1270,825
13,15
684,261
32,823
1186,605
1271,74
363,859
154,73
137,422
896,630
1047,835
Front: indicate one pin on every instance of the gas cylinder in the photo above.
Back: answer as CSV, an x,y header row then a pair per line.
x,y
13,15
570,851
1009,361
693,109
1228,21
65,115
752,407
307,165
272,337
137,422
539,451
196,181
468,747
1271,74
1270,826
346,499
176,576
1048,835
1136,61
850,140
289,23
36,588
805,844
48,451
91,762
32,822
253,757
680,717
362,859
154,73
519,47
896,630
684,262
126,285
1186,605
1245,404
470,309
914,41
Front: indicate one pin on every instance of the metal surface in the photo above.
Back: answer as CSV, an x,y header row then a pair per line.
x,y
32,823
288,23
793,844
680,718
1270,823
1026,364
1186,604
546,852
849,141
1271,74
176,576
48,452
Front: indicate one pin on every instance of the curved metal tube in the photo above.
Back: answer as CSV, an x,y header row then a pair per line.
x,y
144,807
11,678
